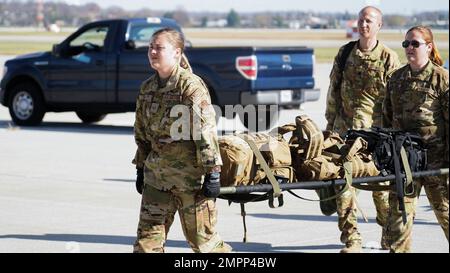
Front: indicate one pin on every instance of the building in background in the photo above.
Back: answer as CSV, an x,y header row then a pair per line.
x,y
351,28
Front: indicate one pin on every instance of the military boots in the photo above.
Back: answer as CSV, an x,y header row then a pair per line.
x,y
353,246
384,240
222,248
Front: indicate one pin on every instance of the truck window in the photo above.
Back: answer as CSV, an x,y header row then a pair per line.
x,y
95,36
141,33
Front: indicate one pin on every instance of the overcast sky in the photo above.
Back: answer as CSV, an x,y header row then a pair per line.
x,y
352,6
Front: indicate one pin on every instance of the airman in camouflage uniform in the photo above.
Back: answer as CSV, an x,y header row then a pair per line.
x,y
354,101
174,167
417,101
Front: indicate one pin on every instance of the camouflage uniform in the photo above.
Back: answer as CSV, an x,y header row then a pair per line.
x,y
355,104
174,169
418,103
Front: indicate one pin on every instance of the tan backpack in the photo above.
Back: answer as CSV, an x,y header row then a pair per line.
x,y
249,159
321,155
241,166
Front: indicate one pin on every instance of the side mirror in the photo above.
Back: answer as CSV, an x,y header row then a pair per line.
x,y
56,50
130,44
59,50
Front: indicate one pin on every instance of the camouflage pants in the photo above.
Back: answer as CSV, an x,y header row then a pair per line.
x,y
399,235
198,217
347,213
436,189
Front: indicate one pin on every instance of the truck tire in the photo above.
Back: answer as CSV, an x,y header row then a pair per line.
x,y
263,122
26,104
88,117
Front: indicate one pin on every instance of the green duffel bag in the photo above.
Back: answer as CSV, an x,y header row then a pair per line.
x,y
327,207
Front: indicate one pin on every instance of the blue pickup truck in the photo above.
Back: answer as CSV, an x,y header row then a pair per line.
x,y
98,70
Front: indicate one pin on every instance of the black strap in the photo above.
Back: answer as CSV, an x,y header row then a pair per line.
x,y
243,213
245,198
280,201
344,56
341,61
374,187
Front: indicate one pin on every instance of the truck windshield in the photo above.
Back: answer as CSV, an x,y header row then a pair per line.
x,y
95,36
141,33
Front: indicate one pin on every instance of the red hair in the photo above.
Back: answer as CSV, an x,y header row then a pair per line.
x,y
434,56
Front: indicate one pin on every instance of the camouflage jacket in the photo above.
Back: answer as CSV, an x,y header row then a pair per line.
x,y
355,96
159,120
418,103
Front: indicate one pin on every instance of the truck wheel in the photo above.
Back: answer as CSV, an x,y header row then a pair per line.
x,y
263,122
88,117
26,104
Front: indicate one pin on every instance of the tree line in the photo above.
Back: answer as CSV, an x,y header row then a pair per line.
x,y
25,13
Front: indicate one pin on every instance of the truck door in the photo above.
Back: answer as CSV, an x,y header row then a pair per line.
x,y
78,71
134,65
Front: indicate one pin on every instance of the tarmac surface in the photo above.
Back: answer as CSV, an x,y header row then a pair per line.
x,y
69,187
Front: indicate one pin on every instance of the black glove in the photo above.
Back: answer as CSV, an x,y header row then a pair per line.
x,y
211,185
139,180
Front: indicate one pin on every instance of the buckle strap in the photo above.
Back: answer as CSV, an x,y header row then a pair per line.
x,y
408,174
243,214
264,166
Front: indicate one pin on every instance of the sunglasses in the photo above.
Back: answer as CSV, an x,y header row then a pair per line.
x,y
414,43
